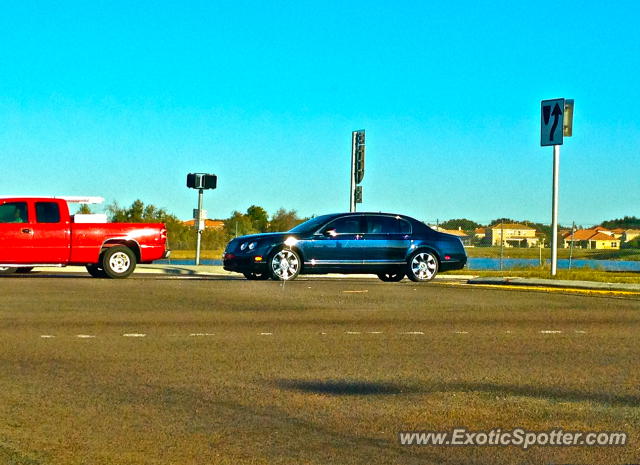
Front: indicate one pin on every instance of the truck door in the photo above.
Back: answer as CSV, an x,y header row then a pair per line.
x,y
51,235
16,235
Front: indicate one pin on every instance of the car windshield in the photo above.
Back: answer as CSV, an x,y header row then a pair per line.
x,y
311,225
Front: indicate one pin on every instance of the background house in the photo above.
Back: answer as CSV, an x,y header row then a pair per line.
x,y
512,235
464,237
593,238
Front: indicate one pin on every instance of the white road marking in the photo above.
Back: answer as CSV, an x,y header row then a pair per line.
x,y
353,332
461,332
356,292
374,332
201,334
412,332
580,331
85,336
550,331
47,336
133,335
266,334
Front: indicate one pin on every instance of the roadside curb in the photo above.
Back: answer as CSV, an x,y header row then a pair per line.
x,y
515,281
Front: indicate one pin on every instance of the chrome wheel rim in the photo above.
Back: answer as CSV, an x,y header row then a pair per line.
x,y
285,265
119,262
424,266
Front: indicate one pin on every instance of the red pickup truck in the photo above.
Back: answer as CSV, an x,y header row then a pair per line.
x,y
39,231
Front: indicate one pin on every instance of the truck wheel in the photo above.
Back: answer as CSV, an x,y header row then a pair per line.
x,y
24,269
118,262
7,270
96,271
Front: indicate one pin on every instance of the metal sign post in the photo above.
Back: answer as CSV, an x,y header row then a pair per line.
x,y
553,127
554,211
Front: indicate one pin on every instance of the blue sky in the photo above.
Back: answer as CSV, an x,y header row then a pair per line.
x,y
123,99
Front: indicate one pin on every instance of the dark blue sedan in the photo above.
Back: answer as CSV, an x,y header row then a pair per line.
x,y
388,245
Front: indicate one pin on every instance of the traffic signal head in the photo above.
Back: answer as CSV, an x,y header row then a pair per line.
x,y
359,156
202,181
358,194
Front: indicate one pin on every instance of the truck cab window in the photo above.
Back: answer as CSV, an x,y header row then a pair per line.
x,y
14,212
47,212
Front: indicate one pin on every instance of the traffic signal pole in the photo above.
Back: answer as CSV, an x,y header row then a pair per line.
x,y
200,226
352,190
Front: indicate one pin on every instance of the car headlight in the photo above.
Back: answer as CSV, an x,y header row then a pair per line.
x,y
253,245
243,246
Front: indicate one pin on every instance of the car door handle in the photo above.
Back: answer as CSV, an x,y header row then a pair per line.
x,y
27,231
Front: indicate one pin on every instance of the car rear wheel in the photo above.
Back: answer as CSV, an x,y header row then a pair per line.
x,y
256,276
118,262
422,266
392,276
284,265
7,270
96,271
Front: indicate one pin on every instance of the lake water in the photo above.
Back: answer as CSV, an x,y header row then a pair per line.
x,y
494,263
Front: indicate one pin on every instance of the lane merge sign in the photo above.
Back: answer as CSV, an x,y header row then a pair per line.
x,y
551,122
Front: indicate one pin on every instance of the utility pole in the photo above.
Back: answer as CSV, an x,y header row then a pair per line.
x,y
501,243
573,230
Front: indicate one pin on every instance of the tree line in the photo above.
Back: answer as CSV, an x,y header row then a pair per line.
x,y
182,237
257,220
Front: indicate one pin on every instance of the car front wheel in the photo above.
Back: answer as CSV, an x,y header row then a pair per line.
x,y
285,265
422,266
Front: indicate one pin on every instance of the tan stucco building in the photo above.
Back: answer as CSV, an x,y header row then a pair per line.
x,y
512,235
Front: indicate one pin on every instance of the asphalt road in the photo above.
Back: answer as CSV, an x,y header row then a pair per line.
x,y
158,370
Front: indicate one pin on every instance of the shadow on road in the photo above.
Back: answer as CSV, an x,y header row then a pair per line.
x,y
551,393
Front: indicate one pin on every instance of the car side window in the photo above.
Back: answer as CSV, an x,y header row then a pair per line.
x,y
14,212
346,225
387,225
47,212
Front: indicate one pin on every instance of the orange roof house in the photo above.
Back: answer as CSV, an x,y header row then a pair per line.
x,y
593,238
208,224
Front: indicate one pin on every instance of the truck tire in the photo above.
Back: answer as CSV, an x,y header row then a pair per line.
x,y
96,271
118,262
